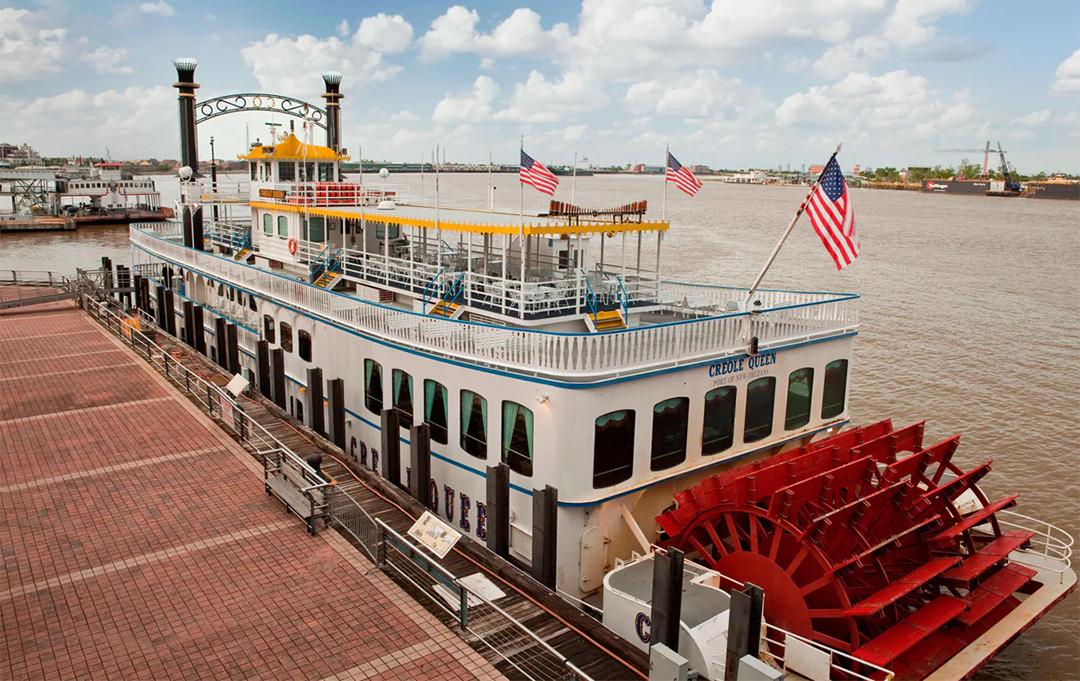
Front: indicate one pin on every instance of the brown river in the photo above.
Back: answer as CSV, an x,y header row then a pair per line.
x,y
970,319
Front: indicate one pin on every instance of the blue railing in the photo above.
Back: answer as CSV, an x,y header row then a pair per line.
x,y
431,287
622,297
591,300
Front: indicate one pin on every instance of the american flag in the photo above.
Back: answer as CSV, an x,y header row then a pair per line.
x,y
681,176
534,173
832,216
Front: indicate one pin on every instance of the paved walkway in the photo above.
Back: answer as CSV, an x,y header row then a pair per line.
x,y
137,542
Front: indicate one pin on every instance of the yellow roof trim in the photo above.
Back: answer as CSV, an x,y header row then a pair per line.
x,y
292,149
469,227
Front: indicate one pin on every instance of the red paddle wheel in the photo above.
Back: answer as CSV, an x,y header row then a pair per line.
x,y
866,541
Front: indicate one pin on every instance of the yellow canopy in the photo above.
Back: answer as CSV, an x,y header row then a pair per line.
x,y
292,149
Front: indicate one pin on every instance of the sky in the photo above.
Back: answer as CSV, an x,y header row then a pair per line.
x,y
726,83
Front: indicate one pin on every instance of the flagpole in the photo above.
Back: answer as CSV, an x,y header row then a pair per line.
x,y
438,225
491,191
521,237
573,180
663,203
790,227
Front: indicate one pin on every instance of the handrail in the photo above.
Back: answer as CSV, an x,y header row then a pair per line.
x,y
844,668
431,286
590,295
624,299
1051,547
561,356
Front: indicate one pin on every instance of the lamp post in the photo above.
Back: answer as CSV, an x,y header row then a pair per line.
x,y
213,177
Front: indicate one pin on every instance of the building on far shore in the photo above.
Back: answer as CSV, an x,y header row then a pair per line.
x,y
18,154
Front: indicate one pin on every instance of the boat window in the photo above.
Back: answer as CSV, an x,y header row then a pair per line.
x,y
220,290
303,342
268,223
517,437
239,297
283,227
613,448
835,389
403,403
380,231
254,169
316,228
474,424
718,432
669,433
760,397
286,337
286,171
800,389
268,329
232,294
373,386
326,172
307,172
251,303
435,401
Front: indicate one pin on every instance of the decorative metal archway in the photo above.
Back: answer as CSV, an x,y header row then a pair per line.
x,y
259,101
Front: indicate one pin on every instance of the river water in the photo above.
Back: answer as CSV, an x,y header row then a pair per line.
x,y
970,319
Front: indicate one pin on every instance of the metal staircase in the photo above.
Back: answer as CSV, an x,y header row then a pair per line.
x,y
326,270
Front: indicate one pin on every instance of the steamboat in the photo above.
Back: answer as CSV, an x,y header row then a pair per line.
x,y
658,413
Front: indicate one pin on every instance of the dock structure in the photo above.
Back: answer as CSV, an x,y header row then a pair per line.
x,y
138,543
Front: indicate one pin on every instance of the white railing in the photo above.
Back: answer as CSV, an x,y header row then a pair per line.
x,y
1050,549
841,664
572,357
326,193
233,233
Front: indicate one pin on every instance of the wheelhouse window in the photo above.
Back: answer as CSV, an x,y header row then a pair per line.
x,y
286,171
286,337
269,329
435,401
268,224
307,171
380,232
303,343
316,228
800,390
283,227
613,448
834,392
760,398
403,401
474,424
517,437
254,170
373,386
718,432
326,172
669,433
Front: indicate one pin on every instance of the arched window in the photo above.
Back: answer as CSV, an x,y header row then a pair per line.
x,y
373,386
269,329
435,408
760,398
303,345
474,424
669,433
613,448
517,437
251,303
718,432
283,227
268,224
402,386
834,392
286,337
800,390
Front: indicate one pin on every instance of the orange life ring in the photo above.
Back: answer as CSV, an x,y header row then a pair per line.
x,y
292,246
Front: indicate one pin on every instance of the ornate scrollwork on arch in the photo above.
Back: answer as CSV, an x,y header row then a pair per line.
x,y
259,101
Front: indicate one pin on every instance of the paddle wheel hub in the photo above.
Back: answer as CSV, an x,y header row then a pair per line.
x,y
867,542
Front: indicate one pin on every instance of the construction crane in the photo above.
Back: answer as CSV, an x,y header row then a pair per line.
x,y
1006,170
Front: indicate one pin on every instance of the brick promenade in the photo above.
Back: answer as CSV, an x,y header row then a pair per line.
x,y
137,542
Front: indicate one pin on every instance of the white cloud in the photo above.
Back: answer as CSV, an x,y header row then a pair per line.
x,y
704,93
795,65
1034,119
539,100
856,55
292,66
83,122
879,109
472,106
1067,78
911,22
108,60
160,8
521,33
343,28
384,33
28,52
